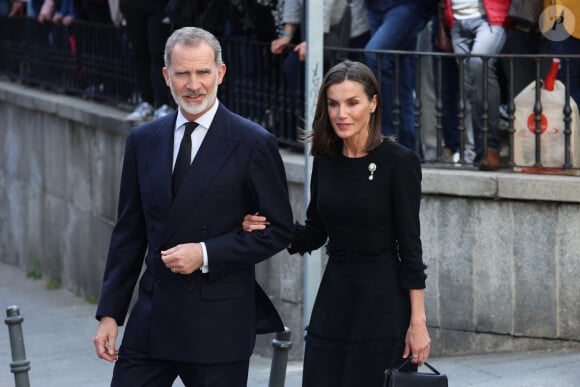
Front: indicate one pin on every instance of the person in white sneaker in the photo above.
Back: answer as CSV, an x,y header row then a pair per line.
x,y
147,32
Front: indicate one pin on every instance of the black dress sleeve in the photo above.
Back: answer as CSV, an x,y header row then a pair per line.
x,y
406,205
312,234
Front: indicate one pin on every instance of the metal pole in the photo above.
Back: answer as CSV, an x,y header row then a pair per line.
x,y
314,74
282,345
19,365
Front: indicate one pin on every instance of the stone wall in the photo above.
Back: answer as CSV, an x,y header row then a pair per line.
x,y
503,249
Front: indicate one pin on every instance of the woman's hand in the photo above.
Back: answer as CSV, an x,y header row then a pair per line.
x,y
417,343
254,222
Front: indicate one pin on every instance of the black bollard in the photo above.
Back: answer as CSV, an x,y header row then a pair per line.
x,y
19,365
282,345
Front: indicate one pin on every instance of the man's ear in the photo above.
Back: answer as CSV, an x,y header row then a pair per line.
x,y
221,73
166,75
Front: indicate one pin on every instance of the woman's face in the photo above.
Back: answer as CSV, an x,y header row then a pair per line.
x,y
349,109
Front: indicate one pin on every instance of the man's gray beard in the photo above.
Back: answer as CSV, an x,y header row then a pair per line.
x,y
193,110
198,109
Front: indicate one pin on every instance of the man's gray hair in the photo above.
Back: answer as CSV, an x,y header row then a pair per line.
x,y
191,37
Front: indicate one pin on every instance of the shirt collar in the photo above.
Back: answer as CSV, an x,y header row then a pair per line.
x,y
205,120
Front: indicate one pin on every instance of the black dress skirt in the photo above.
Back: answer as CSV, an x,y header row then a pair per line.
x,y
362,309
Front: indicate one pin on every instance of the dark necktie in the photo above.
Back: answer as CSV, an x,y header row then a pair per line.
x,y
183,160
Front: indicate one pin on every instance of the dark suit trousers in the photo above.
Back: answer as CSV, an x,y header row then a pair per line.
x,y
137,369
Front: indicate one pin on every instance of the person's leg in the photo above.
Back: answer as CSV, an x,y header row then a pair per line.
x,y
476,36
450,100
462,39
136,29
489,40
396,30
317,359
157,34
407,80
380,64
358,42
234,374
134,368
449,85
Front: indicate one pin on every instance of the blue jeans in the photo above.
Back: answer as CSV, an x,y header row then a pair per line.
x,y
477,36
396,29
4,7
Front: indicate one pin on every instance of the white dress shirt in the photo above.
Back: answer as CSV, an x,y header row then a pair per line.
x,y
197,136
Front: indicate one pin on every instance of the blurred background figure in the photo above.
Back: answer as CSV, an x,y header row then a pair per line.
x,y
66,14
148,28
395,25
12,8
46,11
447,86
478,27
292,32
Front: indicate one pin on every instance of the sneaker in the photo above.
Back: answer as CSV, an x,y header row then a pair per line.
x,y
162,110
503,112
492,163
455,158
142,112
469,156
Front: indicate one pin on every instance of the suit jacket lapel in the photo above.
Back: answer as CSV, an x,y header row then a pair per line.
x,y
212,154
158,168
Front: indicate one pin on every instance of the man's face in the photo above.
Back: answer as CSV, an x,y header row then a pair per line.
x,y
193,78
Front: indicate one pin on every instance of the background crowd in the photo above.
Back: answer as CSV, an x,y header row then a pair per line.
x,y
473,27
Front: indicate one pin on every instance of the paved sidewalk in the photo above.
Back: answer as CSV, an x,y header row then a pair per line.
x,y
58,329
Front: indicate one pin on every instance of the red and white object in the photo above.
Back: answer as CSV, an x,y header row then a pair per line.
x,y
552,128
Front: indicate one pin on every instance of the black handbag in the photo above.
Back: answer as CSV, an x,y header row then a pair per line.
x,y
397,378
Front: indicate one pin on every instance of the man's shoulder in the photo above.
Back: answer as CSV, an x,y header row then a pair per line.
x,y
241,125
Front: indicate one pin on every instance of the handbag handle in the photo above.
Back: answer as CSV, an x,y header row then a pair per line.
x,y
407,360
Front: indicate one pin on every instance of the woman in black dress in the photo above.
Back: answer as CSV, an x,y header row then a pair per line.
x,y
369,312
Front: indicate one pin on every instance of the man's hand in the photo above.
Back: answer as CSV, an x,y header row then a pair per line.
x,y
18,9
300,49
104,340
278,45
183,259
46,11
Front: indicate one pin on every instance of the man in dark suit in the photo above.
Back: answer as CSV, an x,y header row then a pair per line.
x,y
199,307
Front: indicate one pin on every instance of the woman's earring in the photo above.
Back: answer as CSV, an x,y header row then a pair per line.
x,y
372,169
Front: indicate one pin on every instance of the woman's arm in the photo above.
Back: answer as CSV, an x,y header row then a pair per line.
x,y
417,341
